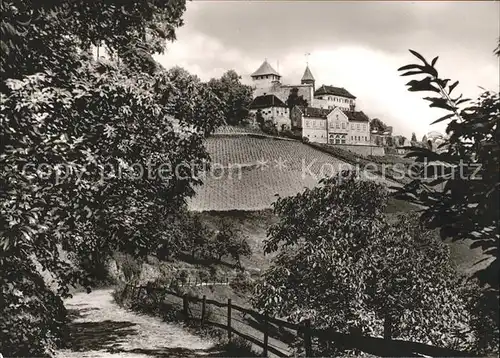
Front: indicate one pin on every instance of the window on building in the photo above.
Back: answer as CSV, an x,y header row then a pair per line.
x,y
358,126
352,125
337,125
343,140
307,123
343,125
364,127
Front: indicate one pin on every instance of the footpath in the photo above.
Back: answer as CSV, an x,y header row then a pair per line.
x,y
101,329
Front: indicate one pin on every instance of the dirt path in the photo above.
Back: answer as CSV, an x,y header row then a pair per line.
x,y
102,329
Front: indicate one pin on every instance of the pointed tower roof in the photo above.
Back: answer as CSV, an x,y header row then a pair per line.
x,y
265,69
307,75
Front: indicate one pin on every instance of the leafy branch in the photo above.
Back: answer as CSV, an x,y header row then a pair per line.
x,y
432,82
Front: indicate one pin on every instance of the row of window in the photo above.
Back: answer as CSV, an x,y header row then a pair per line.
x,y
339,139
337,99
266,77
337,125
282,113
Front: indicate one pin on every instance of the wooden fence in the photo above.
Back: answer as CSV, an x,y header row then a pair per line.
x,y
384,347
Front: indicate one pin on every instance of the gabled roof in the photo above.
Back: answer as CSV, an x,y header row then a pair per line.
x,y
307,75
315,112
357,116
265,69
336,91
266,101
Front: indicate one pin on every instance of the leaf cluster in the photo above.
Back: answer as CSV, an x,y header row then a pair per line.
x,y
343,265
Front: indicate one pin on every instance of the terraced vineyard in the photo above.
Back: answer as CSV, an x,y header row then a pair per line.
x,y
248,172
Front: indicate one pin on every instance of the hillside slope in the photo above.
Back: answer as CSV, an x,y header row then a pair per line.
x,y
249,171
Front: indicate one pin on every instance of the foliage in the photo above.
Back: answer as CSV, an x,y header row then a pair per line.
x,y
377,125
341,264
242,283
468,206
269,127
91,147
462,199
228,241
297,135
295,100
235,97
23,330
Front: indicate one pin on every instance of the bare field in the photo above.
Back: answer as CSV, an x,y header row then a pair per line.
x,y
248,172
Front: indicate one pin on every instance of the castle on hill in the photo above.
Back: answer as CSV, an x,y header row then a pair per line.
x,y
327,114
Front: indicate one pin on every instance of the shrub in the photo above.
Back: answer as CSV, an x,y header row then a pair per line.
x,y
238,248
342,264
291,134
33,317
130,266
269,127
242,283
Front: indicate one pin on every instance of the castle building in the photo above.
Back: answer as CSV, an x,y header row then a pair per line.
x,y
330,115
270,107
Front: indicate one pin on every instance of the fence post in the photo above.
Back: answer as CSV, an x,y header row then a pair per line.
x,y
266,334
185,304
229,333
203,305
307,338
388,327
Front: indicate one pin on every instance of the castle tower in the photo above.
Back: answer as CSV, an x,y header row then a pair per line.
x,y
264,78
308,78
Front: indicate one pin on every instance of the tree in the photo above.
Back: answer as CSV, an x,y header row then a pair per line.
x,y
402,140
390,141
90,148
229,241
413,138
234,96
295,100
463,199
377,125
341,264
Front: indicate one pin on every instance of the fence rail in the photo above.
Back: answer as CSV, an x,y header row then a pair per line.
x,y
383,347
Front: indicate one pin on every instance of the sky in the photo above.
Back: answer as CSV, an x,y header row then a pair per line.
x,y
355,45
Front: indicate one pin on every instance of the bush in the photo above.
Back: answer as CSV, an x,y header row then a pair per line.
x,y
238,248
242,283
291,134
33,317
269,127
342,264
130,266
